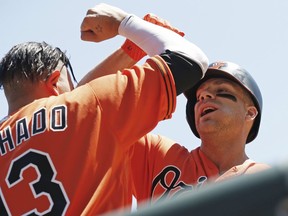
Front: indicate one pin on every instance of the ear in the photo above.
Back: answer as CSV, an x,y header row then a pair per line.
x,y
251,114
51,82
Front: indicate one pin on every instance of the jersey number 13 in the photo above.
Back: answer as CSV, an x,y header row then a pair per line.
x,y
45,184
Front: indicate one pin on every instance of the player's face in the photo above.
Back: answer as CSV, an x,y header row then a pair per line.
x,y
221,107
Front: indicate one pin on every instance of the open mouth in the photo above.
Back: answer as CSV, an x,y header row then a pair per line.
x,y
207,110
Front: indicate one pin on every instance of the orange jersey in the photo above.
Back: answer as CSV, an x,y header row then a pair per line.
x,y
163,169
67,154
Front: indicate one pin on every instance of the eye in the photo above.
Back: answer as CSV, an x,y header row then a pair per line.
x,y
226,94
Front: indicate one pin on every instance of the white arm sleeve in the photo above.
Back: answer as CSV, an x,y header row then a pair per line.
x,y
154,40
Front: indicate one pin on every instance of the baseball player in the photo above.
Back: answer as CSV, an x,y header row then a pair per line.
x,y
63,151
224,111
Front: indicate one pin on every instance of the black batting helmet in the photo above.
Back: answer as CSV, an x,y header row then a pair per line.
x,y
236,73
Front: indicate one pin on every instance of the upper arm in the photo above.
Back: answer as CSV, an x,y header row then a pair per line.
x,y
135,100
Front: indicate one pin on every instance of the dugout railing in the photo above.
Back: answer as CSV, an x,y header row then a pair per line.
x,y
261,194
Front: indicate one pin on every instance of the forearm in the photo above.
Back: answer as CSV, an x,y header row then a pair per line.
x,y
118,60
155,40
186,61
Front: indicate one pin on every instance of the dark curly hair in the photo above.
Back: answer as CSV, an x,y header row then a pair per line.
x,y
31,60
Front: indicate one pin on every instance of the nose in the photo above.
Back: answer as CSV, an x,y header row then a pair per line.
x,y
205,94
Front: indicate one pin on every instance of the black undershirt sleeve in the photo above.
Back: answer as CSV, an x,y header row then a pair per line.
x,y
185,71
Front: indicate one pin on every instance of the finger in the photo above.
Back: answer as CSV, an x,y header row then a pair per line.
x,y
88,30
92,11
152,18
88,36
160,21
89,22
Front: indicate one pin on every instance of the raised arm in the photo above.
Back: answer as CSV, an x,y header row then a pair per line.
x,y
118,60
127,55
186,61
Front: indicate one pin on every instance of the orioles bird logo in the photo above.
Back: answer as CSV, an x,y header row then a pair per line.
x,y
217,65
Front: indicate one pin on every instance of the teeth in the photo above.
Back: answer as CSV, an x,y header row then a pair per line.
x,y
207,110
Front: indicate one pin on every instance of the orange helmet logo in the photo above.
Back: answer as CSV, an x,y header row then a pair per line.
x,y
217,65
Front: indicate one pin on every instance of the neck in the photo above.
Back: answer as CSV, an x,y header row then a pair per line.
x,y
225,152
19,97
16,104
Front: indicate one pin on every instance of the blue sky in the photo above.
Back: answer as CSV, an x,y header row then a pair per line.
x,y
251,33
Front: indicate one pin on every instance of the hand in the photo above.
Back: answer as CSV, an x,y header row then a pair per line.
x,y
134,51
152,18
101,23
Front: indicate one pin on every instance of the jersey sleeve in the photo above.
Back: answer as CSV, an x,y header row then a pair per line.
x,y
135,100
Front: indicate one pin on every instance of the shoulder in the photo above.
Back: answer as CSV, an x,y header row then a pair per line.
x,y
158,142
250,166
155,139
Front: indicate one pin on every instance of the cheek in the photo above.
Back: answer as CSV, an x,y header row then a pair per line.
x,y
229,110
236,112
195,113
195,109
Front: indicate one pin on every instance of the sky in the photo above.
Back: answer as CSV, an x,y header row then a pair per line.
x,y
253,34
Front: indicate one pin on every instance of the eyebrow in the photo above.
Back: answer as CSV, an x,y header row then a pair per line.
x,y
222,81
225,81
219,82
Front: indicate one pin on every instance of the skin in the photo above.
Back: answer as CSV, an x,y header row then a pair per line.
x,y
94,30
23,92
95,27
217,137
118,60
60,81
224,130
